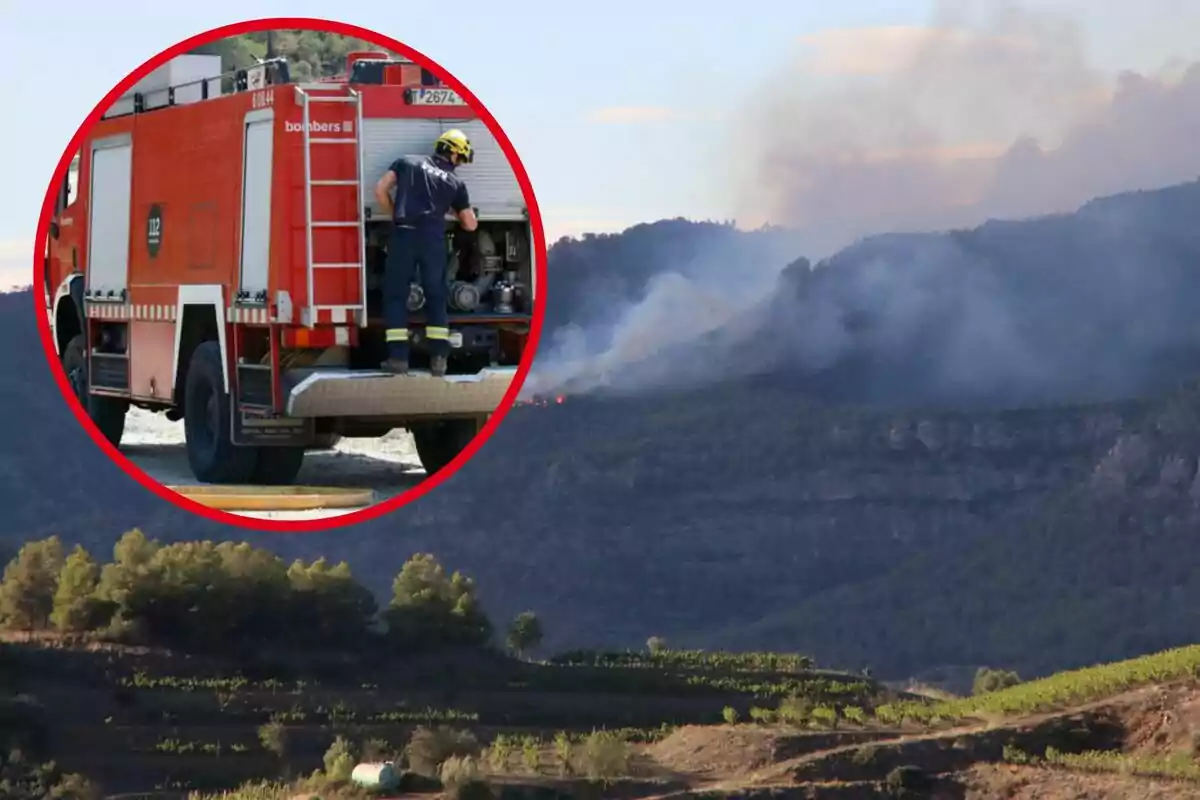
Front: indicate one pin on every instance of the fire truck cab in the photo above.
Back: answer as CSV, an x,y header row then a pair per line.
x,y
216,254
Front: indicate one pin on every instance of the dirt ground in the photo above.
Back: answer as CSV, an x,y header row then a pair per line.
x,y
986,782
387,466
1165,719
725,751
746,761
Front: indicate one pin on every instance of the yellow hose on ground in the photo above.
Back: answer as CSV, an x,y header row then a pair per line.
x,y
276,498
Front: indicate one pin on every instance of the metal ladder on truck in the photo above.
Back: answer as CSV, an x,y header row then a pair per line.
x,y
339,312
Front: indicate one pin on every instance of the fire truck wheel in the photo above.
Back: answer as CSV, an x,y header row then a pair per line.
x,y
439,443
211,452
106,413
326,441
278,466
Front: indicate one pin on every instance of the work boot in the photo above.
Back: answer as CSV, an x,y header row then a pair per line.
x,y
437,365
395,366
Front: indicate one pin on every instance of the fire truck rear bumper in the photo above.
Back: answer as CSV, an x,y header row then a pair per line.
x,y
357,393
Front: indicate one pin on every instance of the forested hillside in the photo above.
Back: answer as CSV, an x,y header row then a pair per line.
x,y
751,512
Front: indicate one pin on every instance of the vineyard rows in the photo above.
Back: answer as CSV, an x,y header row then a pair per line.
x,y
1055,692
702,660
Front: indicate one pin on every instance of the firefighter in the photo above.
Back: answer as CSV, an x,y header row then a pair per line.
x,y
426,188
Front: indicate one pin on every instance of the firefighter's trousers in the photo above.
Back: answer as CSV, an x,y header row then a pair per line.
x,y
408,249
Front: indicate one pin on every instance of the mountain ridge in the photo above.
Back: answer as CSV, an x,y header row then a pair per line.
x,y
772,511
1081,306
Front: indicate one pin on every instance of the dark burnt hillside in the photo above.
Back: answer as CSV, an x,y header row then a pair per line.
x,y
751,514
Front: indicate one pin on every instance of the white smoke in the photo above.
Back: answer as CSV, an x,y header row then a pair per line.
x,y
674,310
992,111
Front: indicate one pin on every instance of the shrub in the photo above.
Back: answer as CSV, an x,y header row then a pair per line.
x,y
563,751
462,779
429,748
889,714
458,770
531,753
374,750
23,778
499,752
605,755
274,738
1015,755
795,710
339,760
864,756
906,781
730,715
254,791
993,680
74,787
824,716
763,716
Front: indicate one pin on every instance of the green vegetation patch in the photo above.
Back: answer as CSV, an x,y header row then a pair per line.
x,y
1055,692
699,660
233,597
1178,766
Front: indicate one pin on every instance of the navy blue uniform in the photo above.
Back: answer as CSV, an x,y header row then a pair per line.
x,y
426,188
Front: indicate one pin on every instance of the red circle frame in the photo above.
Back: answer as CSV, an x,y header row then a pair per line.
x,y
430,482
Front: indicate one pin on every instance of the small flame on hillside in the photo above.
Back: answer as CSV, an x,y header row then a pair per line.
x,y
542,402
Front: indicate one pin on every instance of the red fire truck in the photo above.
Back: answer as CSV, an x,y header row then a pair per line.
x,y
216,254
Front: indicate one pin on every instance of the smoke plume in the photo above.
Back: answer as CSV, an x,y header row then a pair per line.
x,y
989,112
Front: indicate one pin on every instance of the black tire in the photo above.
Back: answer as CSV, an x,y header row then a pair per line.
x,y
212,455
439,443
325,441
106,413
278,466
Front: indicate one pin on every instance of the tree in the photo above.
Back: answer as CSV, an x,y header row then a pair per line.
x,y
183,597
29,584
132,556
328,603
75,602
525,633
430,609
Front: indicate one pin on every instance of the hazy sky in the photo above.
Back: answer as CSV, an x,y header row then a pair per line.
x,y
621,111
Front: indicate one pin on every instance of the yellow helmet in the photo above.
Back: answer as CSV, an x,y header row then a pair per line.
x,y
455,141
